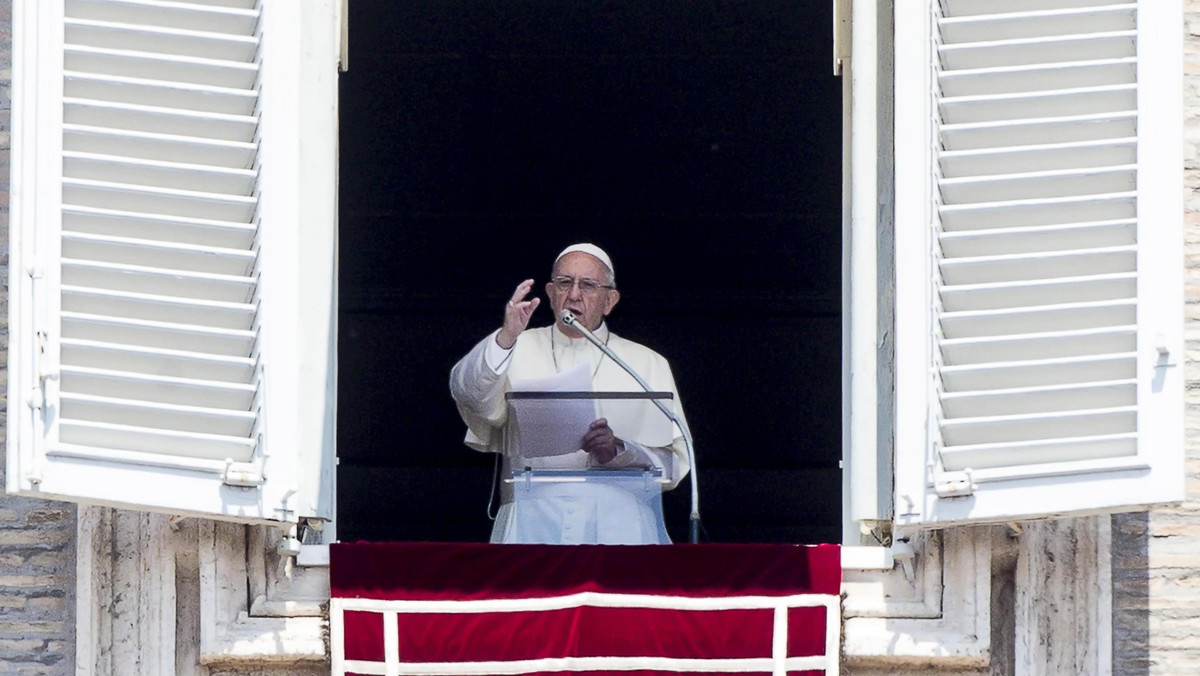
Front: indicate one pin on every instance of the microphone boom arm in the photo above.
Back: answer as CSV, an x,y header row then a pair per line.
x,y
694,519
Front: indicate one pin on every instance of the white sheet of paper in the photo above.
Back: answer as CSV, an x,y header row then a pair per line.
x,y
549,427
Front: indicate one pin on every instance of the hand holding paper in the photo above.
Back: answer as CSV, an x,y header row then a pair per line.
x,y
600,442
554,426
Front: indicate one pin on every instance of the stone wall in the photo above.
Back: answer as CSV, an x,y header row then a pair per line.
x,y
1156,556
37,551
37,580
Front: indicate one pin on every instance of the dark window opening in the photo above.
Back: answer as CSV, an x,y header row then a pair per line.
x,y
698,142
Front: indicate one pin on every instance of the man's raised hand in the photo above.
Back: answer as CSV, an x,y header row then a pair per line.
x,y
516,314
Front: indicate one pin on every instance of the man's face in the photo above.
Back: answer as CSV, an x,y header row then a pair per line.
x,y
589,306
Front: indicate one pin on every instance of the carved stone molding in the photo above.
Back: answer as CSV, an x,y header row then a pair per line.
x,y
234,569
193,597
940,618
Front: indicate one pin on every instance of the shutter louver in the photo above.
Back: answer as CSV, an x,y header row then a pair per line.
x,y
171,257
1039,262
159,248
1035,316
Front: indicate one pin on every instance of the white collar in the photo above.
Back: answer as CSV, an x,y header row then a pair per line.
x,y
566,352
561,338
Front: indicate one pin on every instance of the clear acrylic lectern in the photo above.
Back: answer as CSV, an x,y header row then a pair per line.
x,y
557,495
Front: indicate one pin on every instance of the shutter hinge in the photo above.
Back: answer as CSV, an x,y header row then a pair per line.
x,y
243,474
37,398
43,346
954,484
37,393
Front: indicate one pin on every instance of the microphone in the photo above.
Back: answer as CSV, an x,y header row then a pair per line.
x,y
569,319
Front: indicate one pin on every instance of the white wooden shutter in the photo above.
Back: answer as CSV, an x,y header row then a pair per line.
x,y
143,354
1039,257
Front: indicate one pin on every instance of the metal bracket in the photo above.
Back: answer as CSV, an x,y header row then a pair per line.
x,y
309,530
903,554
37,400
289,544
243,474
954,484
285,513
1162,348
878,532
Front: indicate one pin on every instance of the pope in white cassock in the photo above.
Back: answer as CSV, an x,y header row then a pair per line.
x,y
583,282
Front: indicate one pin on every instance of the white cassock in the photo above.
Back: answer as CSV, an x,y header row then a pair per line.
x,y
567,513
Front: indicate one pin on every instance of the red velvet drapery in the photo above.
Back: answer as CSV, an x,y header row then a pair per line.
x,y
489,609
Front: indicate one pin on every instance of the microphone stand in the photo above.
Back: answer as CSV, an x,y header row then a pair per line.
x,y
694,520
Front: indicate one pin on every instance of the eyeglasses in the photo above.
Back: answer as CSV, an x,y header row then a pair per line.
x,y
586,286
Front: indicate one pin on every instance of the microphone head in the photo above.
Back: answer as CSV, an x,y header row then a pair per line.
x,y
568,317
